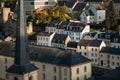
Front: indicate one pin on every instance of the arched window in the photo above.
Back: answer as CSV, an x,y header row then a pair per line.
x,y
15,78
30,78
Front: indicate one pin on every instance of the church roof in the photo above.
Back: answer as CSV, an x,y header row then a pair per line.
x,y
47,55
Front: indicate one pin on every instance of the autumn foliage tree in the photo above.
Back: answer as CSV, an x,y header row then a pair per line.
x,y
47,15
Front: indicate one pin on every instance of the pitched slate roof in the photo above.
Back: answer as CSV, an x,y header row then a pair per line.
x,y
72,44
79,6
47,55
68,3
114,37
110,50
93,0
45,34
76,27
113,75
115,1
54,23
94,43
59,38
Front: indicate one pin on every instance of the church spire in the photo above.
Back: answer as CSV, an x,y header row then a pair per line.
x,y
21,54
21,65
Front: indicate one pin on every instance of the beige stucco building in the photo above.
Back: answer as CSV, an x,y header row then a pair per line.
x,y
52,63
109,57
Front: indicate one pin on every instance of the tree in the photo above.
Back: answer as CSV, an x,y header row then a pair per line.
x,y
111,14
47,15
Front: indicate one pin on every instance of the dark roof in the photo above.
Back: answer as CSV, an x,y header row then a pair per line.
x,y
110,50
47,55
59,38
63,24
54,23
68,3
76,27
21,69
45,34
113,75
93,0
84,42
72,44
79,6
95,43
116,1
112,36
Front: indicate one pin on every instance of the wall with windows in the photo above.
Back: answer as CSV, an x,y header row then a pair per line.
x,y
47,71
81,72
109,60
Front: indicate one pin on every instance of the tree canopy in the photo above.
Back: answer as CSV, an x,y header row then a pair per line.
x,y
111,15
47,15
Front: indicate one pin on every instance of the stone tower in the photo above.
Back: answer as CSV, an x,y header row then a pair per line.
x,y
22,69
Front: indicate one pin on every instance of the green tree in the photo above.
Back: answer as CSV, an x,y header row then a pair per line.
x,y
111,14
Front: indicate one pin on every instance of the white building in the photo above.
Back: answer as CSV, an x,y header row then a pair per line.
x,y
93,14
31,5
53,64
110,57
91,49
44,38
75,30
60,41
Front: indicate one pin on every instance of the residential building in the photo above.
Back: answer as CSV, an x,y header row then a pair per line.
x,y
112,75
45,38
110,57
31,5
60,41
75,30
91,49
72,46
116,4
52,63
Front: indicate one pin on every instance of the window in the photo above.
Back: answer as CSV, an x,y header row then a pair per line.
x,y
85,47
32,3
80,47
5,67
96,49
118,58
15,78
92,54
54,69
54,77
5,60
85,77
43,67
113,63
27,12
30,78
77,78
99,17
85,54
43,76
85,69
77,71
65,71
112,57
46,3
118,64
65,78
92,49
